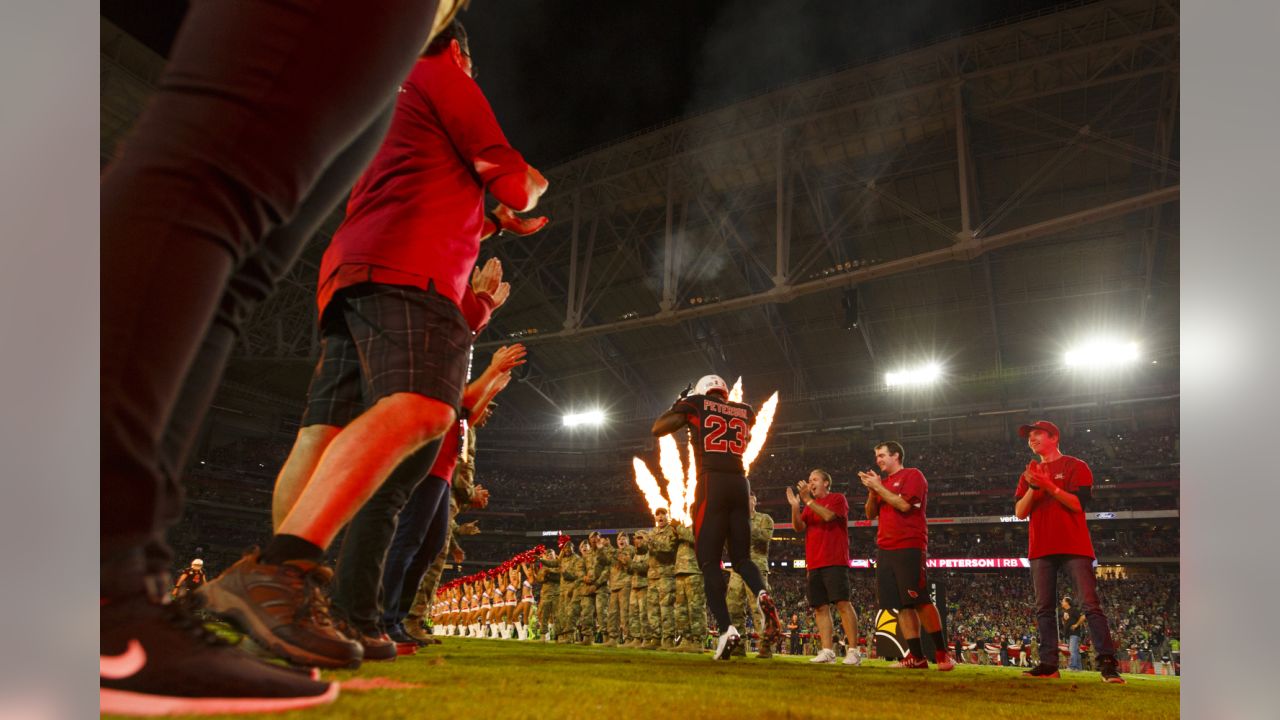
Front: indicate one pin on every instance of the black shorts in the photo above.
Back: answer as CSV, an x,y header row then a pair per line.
x,y
378,340
900,578
828,585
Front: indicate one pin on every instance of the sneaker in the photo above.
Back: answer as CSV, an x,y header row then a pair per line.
x,y
739,650
159,660
1110,670
726,643
911,662
944,661
772,624
766,651
284,608
853,657
1042,671
826,655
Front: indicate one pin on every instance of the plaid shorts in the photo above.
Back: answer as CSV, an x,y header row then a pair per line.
x,y
377,340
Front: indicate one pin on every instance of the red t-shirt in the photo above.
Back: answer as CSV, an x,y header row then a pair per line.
x,y
908,529
1055,530
827,543
416,214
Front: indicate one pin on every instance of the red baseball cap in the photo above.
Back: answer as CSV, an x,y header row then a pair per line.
x,y
1044,425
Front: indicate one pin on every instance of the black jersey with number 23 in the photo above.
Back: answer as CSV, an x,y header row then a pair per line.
x,y
721,430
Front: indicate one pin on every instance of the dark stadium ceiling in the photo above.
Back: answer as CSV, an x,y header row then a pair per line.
x,y
1064,127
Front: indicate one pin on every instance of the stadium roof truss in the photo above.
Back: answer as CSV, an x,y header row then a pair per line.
x,y
958,190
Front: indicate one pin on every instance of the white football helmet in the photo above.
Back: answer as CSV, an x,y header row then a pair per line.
x,y
197,563
707,383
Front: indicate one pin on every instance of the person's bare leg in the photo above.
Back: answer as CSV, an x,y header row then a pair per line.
x,y
359,459
826,629
929,618
910,622
307,450
848,619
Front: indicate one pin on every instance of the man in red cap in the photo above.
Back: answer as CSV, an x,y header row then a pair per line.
x,y
1053,492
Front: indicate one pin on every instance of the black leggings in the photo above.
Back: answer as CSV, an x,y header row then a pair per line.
x,y
722,512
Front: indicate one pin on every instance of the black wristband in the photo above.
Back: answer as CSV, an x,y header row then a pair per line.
x,y
497,225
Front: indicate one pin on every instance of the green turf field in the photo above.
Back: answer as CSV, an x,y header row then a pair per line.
x,y
467,678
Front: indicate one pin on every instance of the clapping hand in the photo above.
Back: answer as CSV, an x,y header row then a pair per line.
x,y
870,480
487,281
511,222
805,495
792,498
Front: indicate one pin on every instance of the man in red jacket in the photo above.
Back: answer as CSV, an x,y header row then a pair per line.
x,y
1054,493
397,312
902,542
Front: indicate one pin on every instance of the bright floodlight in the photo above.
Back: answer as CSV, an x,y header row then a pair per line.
x,y
1102,354
588,417
923,375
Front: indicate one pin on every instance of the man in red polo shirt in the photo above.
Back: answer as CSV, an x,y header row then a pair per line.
x,y
823,517
397,314
902,541
1054,493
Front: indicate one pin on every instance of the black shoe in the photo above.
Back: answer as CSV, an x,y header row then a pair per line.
x,y
1042,671
160,660
284,608
401,637
1110,670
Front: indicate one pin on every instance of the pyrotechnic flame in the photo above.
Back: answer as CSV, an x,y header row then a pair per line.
x,y
760,432
648,486
735,394
691,480
669,463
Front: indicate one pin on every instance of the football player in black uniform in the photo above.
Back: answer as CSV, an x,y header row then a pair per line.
x,y
720,430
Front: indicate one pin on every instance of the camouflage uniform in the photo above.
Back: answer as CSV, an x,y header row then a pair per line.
x,y
619,593
548,595
739,596
586,597
638,613
662,581
691,596
604,558
570,572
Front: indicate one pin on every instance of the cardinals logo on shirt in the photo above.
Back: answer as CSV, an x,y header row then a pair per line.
x,y
913,594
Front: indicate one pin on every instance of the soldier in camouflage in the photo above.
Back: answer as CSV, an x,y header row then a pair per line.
x,y
548,577
570,571
586,594
691,599
662,581
740,599
638,612
619,591
604,558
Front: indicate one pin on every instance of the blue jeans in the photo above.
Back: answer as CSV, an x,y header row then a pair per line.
x,y
1074,662
1044,577
421,533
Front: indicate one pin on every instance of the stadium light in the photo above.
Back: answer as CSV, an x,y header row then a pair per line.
x,y
1097,354
588,417
923,375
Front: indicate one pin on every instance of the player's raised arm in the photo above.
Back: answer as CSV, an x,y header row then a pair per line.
x,y
673,419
